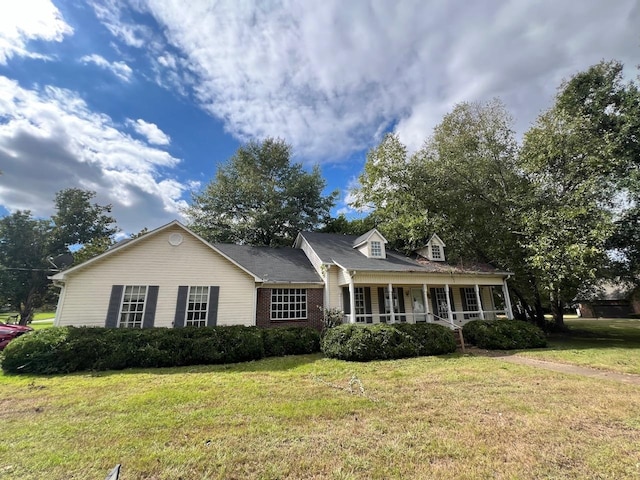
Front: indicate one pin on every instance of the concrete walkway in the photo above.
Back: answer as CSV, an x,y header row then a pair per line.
x,y
571,369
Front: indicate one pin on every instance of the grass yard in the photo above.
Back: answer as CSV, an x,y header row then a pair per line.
x,y
607,344
295,418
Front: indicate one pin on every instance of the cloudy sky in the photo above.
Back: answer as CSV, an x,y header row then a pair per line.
x,y
140,100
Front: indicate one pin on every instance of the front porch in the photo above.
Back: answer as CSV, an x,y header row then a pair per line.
x,y
444,304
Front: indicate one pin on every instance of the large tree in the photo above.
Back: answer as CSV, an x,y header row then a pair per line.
x,y
260,198
23,262
78,221
581,158
29,247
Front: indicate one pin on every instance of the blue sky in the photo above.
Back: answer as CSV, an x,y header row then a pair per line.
x,y
140,100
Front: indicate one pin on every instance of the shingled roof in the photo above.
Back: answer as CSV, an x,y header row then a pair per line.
x,y
334,248
272,265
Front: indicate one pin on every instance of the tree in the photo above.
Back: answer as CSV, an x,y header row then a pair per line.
x,y
78,222
260,198
23,262
464,184
581,160
28,246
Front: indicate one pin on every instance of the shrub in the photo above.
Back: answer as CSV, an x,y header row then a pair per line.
x,y
383,341
41,351
69,349
504,334
432,339
290,341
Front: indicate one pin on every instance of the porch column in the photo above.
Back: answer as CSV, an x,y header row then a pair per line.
x,y
327,299
426,302
393,315
447,292
352,299
479,299
507,300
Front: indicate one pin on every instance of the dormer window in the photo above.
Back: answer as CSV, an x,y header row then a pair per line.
x,y
433,250
371,244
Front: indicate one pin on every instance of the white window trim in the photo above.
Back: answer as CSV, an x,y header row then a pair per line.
x,y
206,311
375,249
144,305
296,291
436,248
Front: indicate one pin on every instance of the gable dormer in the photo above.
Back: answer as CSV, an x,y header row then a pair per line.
x,y
371,244
433,250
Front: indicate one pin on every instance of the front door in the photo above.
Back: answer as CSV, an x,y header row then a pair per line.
x,y
417,302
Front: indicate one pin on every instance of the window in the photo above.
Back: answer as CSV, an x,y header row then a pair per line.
x,y
470,302
436,253
376,249
288,303
132,309
197,307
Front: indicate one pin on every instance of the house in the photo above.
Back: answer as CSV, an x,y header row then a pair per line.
x,y
171,277
609,299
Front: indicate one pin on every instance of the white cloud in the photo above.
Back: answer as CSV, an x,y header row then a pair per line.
x,y
119,69
25,20
51,137
131,33
150,131
330,76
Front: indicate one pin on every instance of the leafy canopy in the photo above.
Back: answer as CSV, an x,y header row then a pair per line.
x,y
260,198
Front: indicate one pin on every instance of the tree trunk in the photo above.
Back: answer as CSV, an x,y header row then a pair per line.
x,y
557,310
540,321
26,308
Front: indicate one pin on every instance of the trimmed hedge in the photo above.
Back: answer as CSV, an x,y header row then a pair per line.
x,y
504,334
363,343
70,349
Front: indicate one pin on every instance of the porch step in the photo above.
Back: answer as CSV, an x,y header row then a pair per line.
x,y
459,339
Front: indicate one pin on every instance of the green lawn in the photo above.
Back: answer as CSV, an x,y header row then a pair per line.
x,y
295,418
607,344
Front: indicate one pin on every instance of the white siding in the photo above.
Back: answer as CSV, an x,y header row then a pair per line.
x,y
311,255
335,291
154,261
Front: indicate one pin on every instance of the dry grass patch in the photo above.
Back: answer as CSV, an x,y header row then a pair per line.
x,y
296,418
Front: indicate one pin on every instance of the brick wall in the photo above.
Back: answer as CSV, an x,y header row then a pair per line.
x,y
315,298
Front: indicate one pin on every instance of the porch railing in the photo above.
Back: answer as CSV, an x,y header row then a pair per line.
x,y
460,318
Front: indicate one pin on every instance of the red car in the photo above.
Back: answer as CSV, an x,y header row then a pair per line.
x,y
8,332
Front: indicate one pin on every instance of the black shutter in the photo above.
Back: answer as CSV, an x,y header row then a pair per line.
x,y
346,300
434,302
453,306
181,306
212,315
114,306
367,304
383,310
402,318
150,310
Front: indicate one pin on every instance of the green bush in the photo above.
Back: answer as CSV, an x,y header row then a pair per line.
x,y
432,339
384,341
69,349
290,341
504,334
